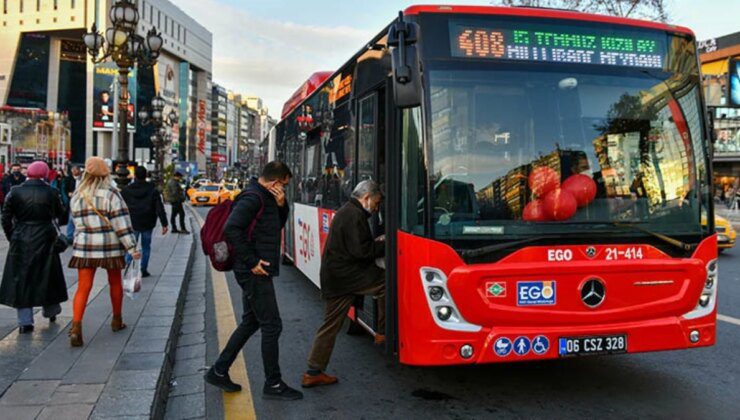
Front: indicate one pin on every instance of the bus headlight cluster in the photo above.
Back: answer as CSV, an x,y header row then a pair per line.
x,y
708,298
444,312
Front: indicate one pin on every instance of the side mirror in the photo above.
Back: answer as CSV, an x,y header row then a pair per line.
x,y
402,39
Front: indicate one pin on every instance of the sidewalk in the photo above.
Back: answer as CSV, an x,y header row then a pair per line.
x,y
124,374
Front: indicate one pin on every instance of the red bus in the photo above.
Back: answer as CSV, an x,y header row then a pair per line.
x,y
547,177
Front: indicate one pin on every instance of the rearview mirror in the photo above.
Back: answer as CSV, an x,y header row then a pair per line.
x,y
402,39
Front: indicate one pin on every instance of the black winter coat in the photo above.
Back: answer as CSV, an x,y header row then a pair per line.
x,y
10,181
33,274
267,234
348,263
144,205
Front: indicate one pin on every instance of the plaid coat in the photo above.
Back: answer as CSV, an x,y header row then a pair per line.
x,y
96,239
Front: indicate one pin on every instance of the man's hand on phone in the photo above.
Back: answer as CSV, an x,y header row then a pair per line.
x,y
279,194
259,269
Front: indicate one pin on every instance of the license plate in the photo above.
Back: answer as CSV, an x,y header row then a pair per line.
x,y
579,346
202,199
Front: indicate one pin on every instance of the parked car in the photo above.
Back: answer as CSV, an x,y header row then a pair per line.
x,y
209,195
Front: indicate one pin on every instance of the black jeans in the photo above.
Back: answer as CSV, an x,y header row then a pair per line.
x,y
260,312
177,209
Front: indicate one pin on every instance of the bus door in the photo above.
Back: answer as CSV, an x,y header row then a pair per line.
x,y
371,165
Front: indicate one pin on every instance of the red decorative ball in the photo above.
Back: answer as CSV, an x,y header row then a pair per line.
x,y
582,187
559,205
542,180
535,212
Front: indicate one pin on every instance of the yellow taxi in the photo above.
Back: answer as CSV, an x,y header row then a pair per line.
x,y
726,234
233,190
209,195
197,184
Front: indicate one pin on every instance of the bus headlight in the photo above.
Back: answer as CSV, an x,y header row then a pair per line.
x,y
444,313
441,305
708,299
436,293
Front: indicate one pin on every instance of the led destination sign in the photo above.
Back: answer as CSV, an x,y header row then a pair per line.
x,y
561,44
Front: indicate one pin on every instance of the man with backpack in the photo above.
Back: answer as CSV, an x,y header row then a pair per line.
x,y
176,197
145,206
253,229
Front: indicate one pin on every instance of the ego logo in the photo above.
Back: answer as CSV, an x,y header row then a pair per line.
x,y
305,239
535,293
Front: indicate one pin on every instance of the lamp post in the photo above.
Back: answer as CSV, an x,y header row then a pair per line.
x,y
127,49
162,136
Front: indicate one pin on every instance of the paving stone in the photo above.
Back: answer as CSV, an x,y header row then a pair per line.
x,y
140,361
190,352
29,393
151,333
77,394
125,403
159,311
134,379
192,327
66,412
192,318
21,412
146,345
186,385
189,367
155,321
186,406
190,339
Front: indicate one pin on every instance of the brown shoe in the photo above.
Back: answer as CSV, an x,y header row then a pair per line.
x,y
310,381
117,324
75,334
379,339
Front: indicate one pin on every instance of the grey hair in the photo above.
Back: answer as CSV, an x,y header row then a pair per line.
x,y
367,186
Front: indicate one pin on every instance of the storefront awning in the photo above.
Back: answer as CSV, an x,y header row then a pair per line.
x,y
716,68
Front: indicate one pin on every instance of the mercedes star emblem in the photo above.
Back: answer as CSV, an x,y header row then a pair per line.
x,y
590,252
593,293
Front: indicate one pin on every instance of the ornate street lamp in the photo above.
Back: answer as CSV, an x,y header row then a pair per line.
x,y
162,136
127,49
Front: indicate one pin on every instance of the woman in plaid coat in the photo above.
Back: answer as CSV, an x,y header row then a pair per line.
x,y
103,236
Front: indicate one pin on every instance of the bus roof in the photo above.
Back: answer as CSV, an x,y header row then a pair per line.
x,y
545,13
307,88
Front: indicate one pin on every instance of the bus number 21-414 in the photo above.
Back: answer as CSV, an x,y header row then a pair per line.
x,y
626,254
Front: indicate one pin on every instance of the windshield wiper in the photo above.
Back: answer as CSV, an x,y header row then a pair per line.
x,y
675,242
489,249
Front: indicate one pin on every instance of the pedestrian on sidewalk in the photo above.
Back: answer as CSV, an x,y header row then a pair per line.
x,y
263,210
104,236
72,180
14,178
348,269
176,197
145,206
33,274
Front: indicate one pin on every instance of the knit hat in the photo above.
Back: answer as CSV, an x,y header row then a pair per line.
x,y
96,166
38,170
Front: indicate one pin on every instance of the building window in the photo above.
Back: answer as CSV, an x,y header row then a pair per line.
x,y
166,23
56,4
73,4
21,2
5,7
159,18
38,5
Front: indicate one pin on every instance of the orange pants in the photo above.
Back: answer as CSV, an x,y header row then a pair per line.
x,y
85,284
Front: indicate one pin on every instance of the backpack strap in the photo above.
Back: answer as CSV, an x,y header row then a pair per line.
x,y
253,224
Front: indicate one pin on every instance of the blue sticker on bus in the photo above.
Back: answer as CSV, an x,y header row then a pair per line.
x,y
540,345
531,293
502,347
522,346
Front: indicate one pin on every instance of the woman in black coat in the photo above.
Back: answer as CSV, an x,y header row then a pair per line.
x,y
33,274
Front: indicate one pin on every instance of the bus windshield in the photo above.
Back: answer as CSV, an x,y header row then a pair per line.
x,y
627,142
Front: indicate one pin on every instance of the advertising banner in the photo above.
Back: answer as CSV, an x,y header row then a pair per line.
x,y
307,242
103,102
37,135
733,72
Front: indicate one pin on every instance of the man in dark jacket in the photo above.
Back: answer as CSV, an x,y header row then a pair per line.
x,y
145,206
176,196
15,177
348,269
254,230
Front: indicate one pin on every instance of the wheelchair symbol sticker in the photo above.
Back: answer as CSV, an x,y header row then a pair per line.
x,y
540,345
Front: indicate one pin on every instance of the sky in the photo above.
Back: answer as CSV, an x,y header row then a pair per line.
x,y
269,48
